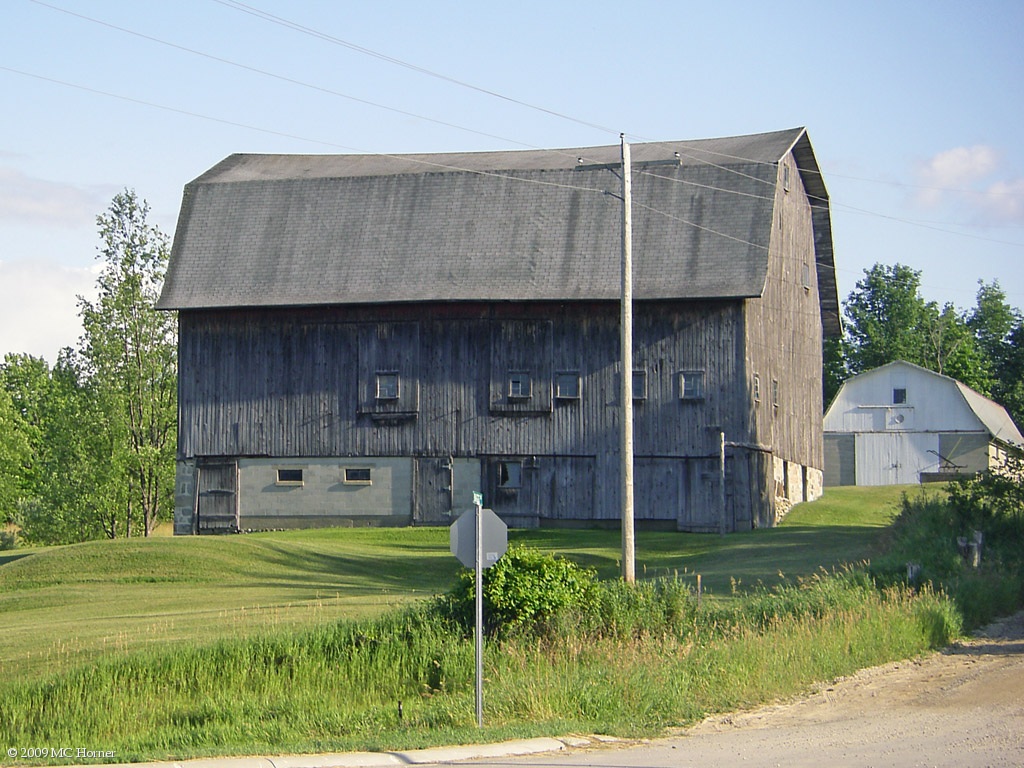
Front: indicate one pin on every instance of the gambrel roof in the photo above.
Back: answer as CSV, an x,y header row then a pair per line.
x,y
943,406
535,225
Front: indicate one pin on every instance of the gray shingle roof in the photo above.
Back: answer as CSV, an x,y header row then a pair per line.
x,y
302,230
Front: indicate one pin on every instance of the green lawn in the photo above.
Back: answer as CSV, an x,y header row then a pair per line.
x,y
61,606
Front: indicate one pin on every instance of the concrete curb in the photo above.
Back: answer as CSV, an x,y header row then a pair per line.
x,y
369,759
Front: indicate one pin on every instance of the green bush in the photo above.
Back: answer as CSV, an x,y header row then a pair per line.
x,y
926,532
525,591
8,540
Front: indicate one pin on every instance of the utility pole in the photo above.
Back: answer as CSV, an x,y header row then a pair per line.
x,y
626,328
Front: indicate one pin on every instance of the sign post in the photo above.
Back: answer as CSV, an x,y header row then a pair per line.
x,y
478,538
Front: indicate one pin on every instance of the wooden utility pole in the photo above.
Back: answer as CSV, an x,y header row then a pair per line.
x,y
628,545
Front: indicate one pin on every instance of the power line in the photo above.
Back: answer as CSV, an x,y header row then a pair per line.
x,y
239,6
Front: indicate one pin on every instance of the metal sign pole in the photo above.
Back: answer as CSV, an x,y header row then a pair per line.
x,y
479,618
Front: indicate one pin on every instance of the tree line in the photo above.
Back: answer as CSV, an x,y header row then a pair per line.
x,y
87,445
886,318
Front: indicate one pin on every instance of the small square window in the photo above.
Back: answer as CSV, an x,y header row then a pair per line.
x,y
899,396
691,385
519,385
639,385
289,476
387,386
357,476
567,386
510,474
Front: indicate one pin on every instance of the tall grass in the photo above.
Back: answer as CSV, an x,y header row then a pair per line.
x,y
657,658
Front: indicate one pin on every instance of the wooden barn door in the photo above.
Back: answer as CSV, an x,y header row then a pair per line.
x,y
433,491
217,497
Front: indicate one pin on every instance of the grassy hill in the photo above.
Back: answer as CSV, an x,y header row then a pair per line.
x,y
63,606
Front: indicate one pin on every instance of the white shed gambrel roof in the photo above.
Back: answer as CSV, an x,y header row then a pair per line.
x,y
950,405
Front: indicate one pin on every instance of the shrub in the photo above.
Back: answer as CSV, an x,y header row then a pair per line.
x,y
8,540
523,592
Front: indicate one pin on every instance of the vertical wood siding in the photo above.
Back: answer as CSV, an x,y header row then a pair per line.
x,y
300,384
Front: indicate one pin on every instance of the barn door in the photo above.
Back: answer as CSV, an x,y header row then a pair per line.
x,y
433,499
217,499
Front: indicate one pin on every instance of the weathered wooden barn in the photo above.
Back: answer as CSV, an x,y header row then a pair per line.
x,y
368,339
901,424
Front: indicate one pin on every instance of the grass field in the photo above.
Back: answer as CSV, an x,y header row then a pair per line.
x,y
62,606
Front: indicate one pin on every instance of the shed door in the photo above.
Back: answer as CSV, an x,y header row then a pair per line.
x,y
433,491
444,488
217,503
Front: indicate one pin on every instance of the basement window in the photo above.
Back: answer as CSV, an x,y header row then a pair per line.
x,y
567,386
289,476
387,385
510,475
519,385
357,476
691,385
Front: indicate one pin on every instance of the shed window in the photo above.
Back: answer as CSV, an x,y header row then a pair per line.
x,y
387,385
899,396
640,384
567,386
691,385
519,387
357,476
510,474
289,476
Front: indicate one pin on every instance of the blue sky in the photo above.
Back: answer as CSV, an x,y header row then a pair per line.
x,y
914,110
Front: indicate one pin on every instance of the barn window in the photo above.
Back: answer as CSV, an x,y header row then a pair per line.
x,y
640,384
775,393
289,476
785,177
899,396
691,385
567,385
510,474
357,476
757,388
806,276
519,386
387,385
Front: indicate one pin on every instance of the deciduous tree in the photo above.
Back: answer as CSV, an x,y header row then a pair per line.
x,y
129,355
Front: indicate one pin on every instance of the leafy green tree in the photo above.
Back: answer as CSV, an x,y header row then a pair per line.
x,y
129,356
14,457
999,331
885,313
950,348
66,476
888,319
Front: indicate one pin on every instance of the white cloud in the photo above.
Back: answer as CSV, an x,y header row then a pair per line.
x,y
28,200
962,177
39,307
1004,201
